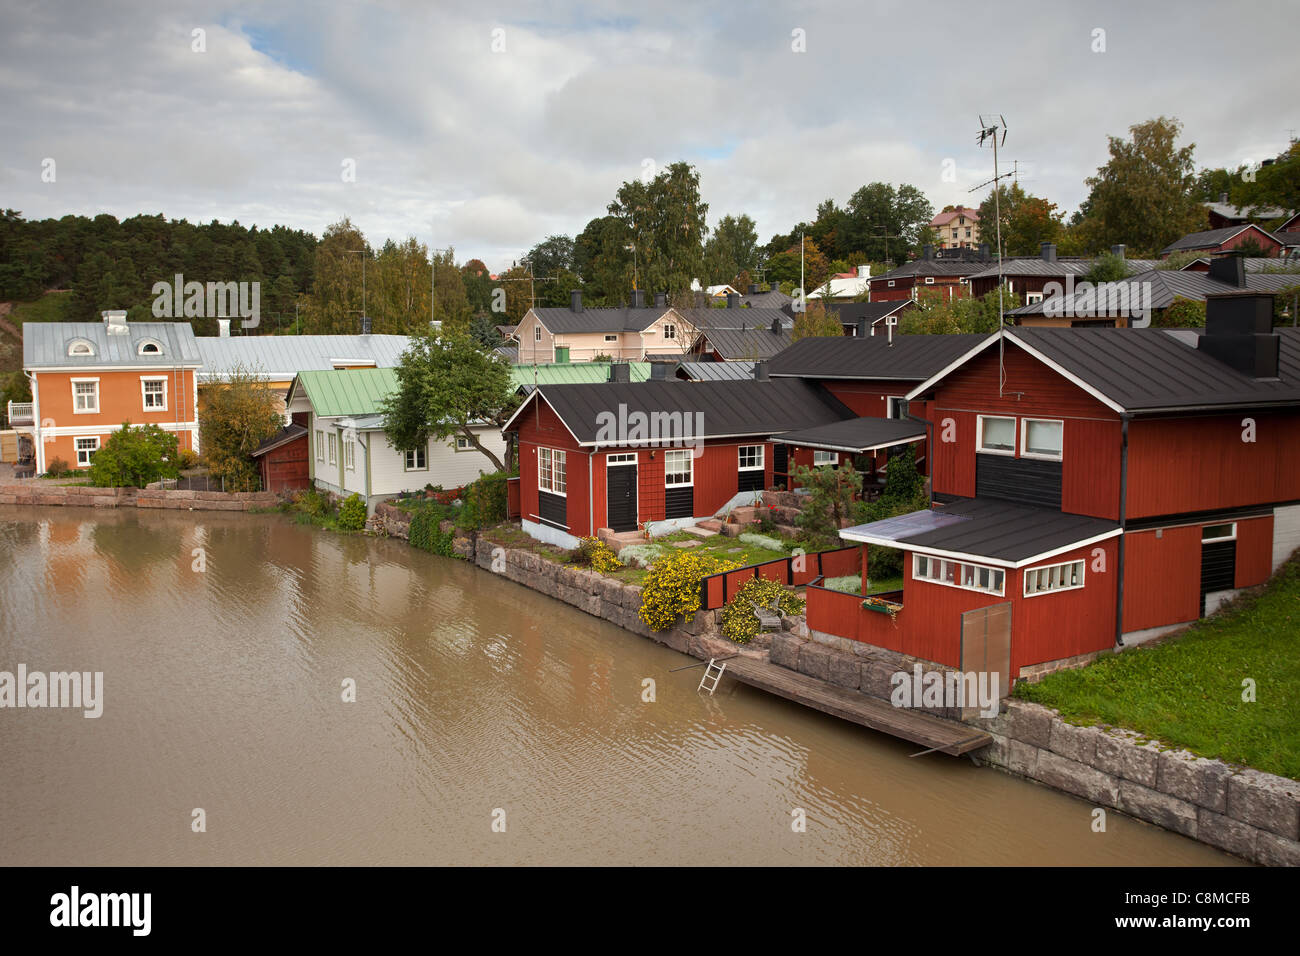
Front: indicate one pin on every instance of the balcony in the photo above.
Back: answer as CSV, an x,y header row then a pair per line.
x,y
21,413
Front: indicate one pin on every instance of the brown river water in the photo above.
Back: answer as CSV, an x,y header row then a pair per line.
x,y
222,690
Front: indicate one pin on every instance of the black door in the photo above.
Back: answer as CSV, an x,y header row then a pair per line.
x,y
620,497
1218,568
780,464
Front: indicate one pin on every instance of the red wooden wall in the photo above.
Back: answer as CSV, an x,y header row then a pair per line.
x,y
1254,551
1162,577
1056,625
540,426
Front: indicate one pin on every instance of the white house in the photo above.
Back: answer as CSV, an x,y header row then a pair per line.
x,y
349,451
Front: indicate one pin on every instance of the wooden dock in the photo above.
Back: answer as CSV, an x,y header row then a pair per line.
x,y
933,733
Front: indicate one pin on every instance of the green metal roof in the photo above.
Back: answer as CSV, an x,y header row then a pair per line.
x,y
356,391
573,373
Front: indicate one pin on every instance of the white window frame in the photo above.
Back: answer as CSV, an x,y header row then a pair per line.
x,y
537,333
467,446
611,338
929,280
1230,536
675,454
979,435
893,406
1033,298
946,571
75,448
1055,574
85,411
411,459
557,460
333,441
620,458
820,457
79,348
670,331
891,283
149,347
144,393
1024,439
740,458
320,444
350,455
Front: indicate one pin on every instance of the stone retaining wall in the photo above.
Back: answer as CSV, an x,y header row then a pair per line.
x,y
41,493
1248,813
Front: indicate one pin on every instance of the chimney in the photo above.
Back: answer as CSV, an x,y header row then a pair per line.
x,y
733,300
115,322
223,328
638,299
864,272
927,251
661,371
1239,333
984,252
1117,251
776,325
661,300
1047,251
1223,198
620,372
575,300
1229,269
863,331
753,288
760,372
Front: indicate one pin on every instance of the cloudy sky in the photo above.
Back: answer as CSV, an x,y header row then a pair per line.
x,y
487,126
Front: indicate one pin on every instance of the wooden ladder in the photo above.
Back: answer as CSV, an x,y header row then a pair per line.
x,y
712,673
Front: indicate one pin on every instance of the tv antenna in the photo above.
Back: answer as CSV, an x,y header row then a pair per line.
x,y
995,133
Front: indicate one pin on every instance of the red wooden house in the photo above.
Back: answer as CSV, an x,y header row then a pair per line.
x,y
1094,486
623,455
946,272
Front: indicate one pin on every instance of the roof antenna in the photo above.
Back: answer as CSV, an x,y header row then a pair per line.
x,y
989,130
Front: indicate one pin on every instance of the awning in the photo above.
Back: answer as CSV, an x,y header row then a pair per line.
x,y
855,435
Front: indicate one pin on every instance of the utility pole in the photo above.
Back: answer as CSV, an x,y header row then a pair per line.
x,y
364,318
989,131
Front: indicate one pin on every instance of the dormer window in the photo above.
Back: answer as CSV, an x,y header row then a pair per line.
x,y
81,348
150,347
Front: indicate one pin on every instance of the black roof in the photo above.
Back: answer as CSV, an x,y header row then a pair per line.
x,y
1155,289
738,408
933,267
850,313
911,358
741,318
1209,238
1001,531
1146,370
561,319
857,435
748,345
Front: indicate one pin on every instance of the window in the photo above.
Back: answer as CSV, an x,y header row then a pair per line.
x,y
929,280
891,283
958,574
320,445
997,436
86,447
954,233
751,456
1218,532
1042,439
464,444
537,333
611,338
677,468
967,233
416,460
350,455
85,395
895,407
1033,297
149,347
825,458
670,331
550,470
155,394
1054,577
621,459
962,221
334,449
81,347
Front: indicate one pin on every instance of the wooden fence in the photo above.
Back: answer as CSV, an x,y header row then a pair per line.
x,y
717,589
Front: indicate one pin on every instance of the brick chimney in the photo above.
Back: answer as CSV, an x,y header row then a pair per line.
x,y
1239,332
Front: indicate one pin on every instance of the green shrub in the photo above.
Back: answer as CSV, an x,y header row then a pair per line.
x,y
134,457
352,513
186,458
762,541
595,554
740,623
485,500
672,588
427,536
314,504
57,468
831,492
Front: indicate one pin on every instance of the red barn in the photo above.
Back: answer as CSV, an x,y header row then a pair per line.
x,y
1097,486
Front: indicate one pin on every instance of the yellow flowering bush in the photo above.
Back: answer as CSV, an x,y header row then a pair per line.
x,y
740,623
597,555
672,587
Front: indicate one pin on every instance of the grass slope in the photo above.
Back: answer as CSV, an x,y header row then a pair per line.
x,y
1187,691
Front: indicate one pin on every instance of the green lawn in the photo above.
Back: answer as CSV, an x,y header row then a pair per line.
x,y
48,308
1187,691
852,584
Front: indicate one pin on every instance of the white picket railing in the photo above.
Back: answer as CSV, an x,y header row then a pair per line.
x,y
23,413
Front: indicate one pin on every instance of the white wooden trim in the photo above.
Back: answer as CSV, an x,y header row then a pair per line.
x,y
690,464
84,411
957,363
1083,571
761,459
144,399
1000,592
1024,439
979,436
1227,537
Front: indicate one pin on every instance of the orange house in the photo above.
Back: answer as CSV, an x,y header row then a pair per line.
x,y
89,377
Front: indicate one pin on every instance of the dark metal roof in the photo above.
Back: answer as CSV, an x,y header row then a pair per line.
x,y
1036,266
1209,238
1145,370
1165,285
850,313
564,320
999,531
747,345
716,371
856,435
911,358
933,267
283,436
740,409
772,299
709,319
